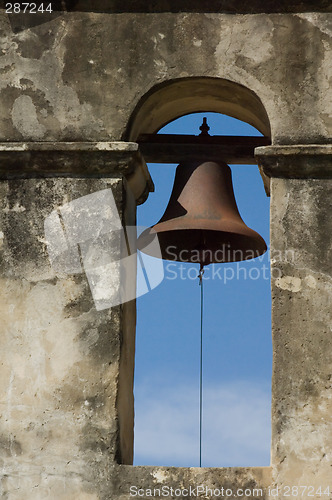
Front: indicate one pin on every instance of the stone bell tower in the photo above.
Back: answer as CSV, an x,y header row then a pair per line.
x,y
79,86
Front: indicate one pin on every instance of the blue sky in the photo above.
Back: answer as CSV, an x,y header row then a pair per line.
x,y
237,338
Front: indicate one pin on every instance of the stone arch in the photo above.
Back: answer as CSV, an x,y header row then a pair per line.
x,y
172,99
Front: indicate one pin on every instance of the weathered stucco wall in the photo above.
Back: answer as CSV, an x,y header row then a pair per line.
x,y
60,357
81,75
301,235
66,370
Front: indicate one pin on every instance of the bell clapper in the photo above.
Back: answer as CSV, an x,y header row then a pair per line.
x,y
200,273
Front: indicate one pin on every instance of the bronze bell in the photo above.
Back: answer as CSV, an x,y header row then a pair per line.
x,y
202,223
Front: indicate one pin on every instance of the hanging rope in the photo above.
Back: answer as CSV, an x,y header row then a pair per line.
x,y
200,277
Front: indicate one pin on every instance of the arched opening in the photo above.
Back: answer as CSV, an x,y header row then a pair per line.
x,y
173,99
237,340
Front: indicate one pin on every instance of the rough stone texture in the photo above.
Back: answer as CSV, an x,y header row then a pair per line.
x,y
226,6
61,424
49,159
301,239
146,479
285,59
295,162
298,162
70,159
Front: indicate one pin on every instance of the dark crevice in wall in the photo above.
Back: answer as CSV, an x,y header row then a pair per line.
x,y
221,6
226,6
